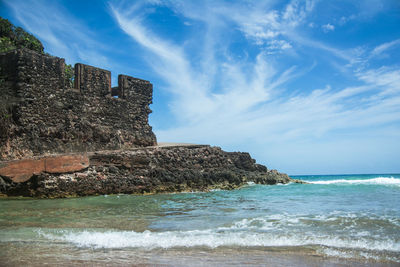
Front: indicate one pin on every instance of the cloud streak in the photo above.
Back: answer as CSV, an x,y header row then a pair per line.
x,y
61,32
252,101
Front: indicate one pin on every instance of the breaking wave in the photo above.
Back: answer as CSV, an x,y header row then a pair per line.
x,y
212,239
269,231
372,181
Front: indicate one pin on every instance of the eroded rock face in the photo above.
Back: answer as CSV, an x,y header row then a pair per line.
x,y
145,170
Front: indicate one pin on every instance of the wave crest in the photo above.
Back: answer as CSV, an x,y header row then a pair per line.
x,y
222,237
372,181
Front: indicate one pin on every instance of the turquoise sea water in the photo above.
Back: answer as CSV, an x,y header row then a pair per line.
x,y
353,217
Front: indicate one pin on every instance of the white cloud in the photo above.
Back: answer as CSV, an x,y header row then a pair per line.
x,y
328,27
251,105
345,19
62,34
278,45
296,12
261,23
384,47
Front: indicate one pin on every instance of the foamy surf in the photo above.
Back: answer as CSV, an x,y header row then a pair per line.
x,y
214,239
275,230
372,181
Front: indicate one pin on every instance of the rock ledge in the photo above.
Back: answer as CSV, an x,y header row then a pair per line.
x,y
156,169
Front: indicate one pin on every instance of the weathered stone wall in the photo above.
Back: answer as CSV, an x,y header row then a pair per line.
x,y
133,88
141,170
92,81
42,116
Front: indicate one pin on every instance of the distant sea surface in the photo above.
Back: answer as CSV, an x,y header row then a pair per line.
x,y
334,220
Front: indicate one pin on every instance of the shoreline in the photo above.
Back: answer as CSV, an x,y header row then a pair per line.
x,y
271,256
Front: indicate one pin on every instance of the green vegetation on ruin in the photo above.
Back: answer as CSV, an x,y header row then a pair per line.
x,y
12,37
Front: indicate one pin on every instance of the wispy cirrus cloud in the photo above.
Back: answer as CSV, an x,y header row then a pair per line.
x,y
384,47
252,101
62,33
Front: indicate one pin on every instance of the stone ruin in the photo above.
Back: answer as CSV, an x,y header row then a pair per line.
x,y
42,115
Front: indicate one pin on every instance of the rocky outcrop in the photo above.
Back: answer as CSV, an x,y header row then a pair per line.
x,y
143,170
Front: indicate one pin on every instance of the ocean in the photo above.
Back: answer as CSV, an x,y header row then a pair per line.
x,y
335,220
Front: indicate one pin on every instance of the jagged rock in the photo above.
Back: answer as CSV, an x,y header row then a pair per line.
x,y
143,170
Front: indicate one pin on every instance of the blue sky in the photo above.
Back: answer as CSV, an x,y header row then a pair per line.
x,y
307,87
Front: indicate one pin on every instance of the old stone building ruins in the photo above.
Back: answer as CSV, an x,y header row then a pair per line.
x,y
46,116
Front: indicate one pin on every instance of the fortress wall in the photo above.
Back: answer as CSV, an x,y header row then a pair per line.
x,y
92,81
29,74
8,73
134,88
46,117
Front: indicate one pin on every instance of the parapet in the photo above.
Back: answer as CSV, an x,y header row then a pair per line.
x,y
133,88
92,81
21,68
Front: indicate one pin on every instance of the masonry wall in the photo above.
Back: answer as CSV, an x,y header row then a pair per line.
x,y
92,81
42,116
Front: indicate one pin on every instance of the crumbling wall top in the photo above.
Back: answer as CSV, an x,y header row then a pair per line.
x,y
134,88
27,69
92,81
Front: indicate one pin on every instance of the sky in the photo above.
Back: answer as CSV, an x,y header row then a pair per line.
x,y
306,87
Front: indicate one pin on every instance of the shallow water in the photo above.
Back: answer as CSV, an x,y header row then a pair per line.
x,y
346,220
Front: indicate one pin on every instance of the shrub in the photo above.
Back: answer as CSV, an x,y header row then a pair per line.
x,y
12,37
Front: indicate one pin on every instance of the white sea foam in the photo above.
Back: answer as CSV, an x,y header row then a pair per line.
x,y
213,238
334,233
372,181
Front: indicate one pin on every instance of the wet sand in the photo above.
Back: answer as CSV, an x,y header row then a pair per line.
x,y
25,254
